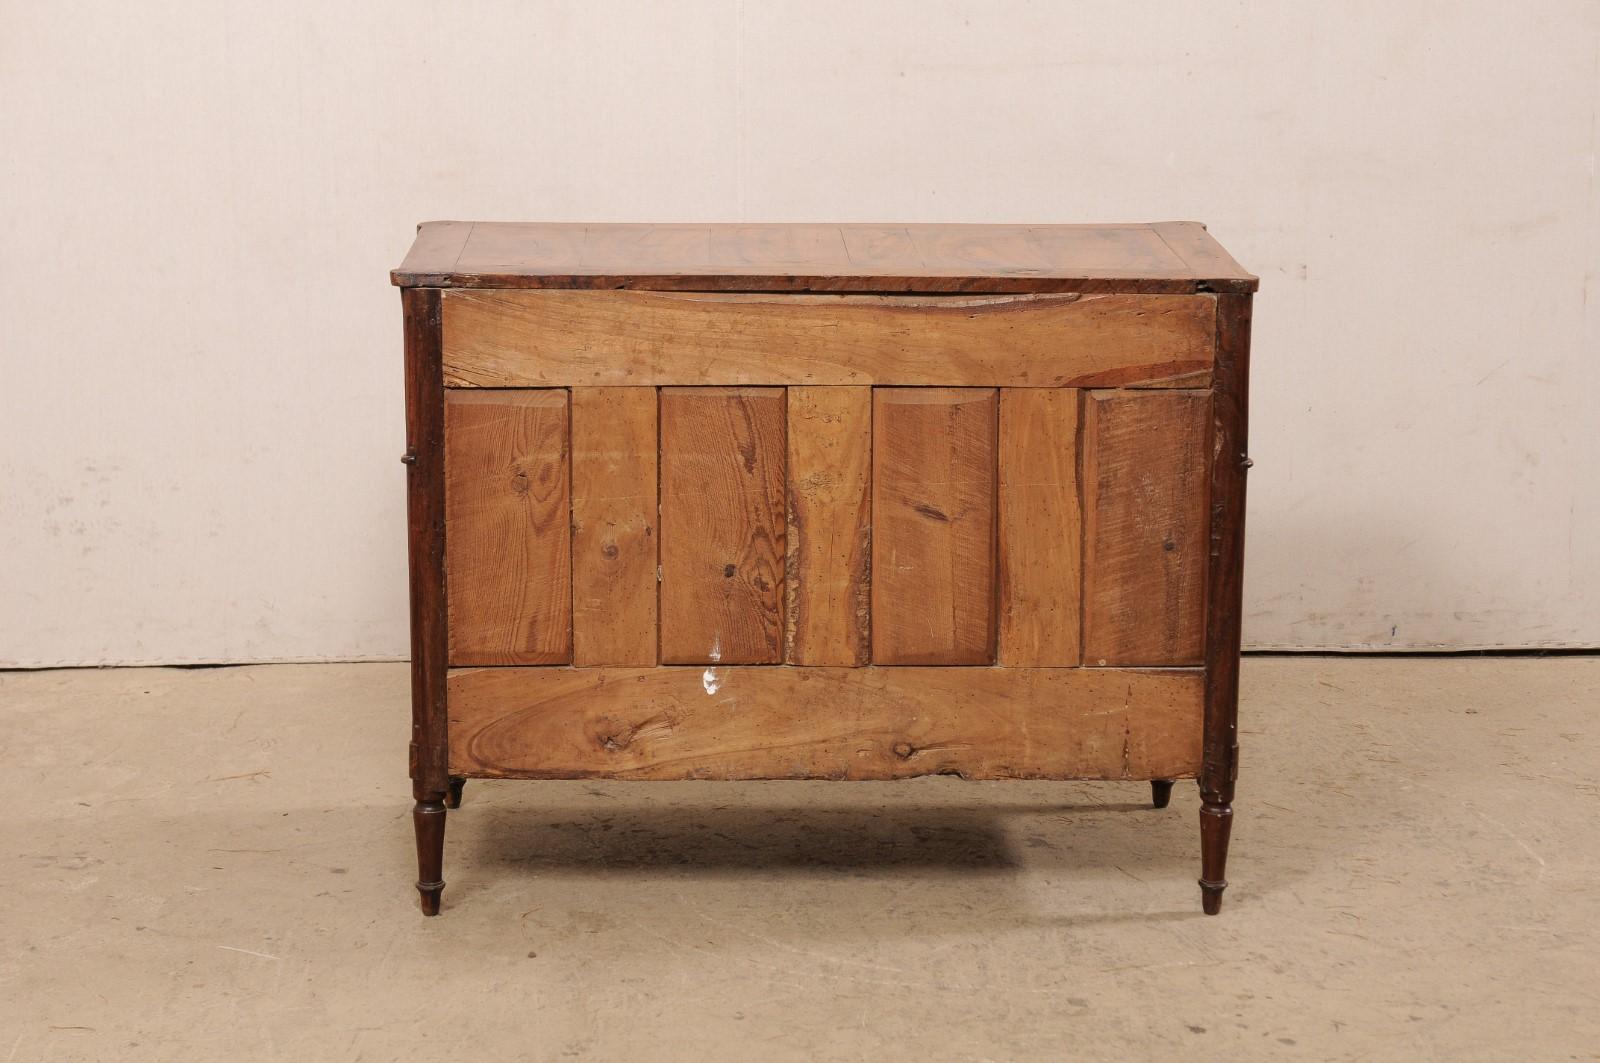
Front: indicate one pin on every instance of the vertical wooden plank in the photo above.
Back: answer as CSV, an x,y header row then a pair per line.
x,y
1041,545
1229,456
722,525
933,514
425,526
1144,476
614,474
509,512
830,532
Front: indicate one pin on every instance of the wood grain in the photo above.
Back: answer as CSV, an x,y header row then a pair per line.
x,y
614,507
829,536
1204,256
1041,534
1229,453
722,525
570,338
436,248
425,536
933,525
508,510
1144,474
1162,257
825,723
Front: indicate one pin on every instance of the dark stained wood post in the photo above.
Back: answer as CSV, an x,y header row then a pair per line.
x,y
1224,592
424,459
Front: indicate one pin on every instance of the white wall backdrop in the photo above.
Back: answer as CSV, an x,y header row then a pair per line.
x,y
200,407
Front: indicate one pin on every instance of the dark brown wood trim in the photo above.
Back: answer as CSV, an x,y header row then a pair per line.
x,y
424,459
1224,590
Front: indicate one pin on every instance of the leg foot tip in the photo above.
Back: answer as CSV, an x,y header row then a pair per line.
x,y
1160,792
1211,896
452,796
430,898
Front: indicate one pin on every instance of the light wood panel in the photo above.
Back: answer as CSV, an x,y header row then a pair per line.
x,y
825,723
1040,538
722,525
933,525
614,479
830,526
543,338
508,573
1144,471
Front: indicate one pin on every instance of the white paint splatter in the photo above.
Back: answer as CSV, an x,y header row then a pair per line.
x,y
708,679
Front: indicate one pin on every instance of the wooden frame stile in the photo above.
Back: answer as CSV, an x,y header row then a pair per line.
x,y
431,785
1224,591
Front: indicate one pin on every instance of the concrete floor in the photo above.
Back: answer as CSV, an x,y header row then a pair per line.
x,y
217,864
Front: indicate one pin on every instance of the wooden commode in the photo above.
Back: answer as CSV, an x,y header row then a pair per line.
x,y
824,502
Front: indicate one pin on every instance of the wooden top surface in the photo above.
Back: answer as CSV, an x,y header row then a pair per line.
x,y
1159,257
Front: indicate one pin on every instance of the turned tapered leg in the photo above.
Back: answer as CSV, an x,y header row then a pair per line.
x,y
1160,792
428,816
452,797
1216,821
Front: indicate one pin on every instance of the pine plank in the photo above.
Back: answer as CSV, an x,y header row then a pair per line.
x,y
542,338
508,578
614,537
1040,539
825,723
829,536
1144,474
933,525
722,525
